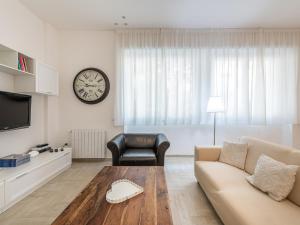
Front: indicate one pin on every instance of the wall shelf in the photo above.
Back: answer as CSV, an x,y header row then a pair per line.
x,y
30,75
11,60
13,71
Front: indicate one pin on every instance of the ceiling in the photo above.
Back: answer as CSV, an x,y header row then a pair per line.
x,y
102,14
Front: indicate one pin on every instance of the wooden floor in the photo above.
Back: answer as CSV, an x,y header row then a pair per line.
x,y
189,205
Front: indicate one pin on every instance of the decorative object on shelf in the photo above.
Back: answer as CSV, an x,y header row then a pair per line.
x,y
215,105
23,63
122,190
91,85
66,145
14,160
41,148
33,154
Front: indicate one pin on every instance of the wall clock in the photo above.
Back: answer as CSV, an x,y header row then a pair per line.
x,y
91,85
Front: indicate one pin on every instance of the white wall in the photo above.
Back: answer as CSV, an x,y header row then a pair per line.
x,y
79,50
183,139
23,31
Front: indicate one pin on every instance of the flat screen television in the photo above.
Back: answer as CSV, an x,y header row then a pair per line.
x,y
15,110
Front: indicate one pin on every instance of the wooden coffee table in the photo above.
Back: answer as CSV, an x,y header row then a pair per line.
x,y
149,208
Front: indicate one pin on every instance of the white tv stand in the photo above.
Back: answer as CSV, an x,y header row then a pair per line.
x,y
18,182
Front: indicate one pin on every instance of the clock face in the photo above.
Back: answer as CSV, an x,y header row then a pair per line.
x,y
91,85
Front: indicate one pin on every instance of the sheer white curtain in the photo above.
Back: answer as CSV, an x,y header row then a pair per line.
x,y
165,77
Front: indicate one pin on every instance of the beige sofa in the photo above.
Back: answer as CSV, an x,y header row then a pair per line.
x,y
234,199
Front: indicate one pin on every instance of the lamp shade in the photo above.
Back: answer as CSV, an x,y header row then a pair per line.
x,y
215,104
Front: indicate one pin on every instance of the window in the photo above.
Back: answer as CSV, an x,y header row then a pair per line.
x,y
169,84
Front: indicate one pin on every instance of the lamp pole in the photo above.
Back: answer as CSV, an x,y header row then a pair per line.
x,y
214,128
215,105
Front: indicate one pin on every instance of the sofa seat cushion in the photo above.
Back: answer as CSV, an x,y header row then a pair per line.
x,y
215,176
146,156
247,205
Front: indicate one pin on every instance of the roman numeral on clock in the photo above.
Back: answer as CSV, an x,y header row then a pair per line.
x,y
85,94
80,91
99,90
85,76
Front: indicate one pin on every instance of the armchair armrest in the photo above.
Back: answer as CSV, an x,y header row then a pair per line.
x,y
116,146
161,145
207,153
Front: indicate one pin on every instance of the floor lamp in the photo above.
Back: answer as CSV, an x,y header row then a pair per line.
x,y
215,105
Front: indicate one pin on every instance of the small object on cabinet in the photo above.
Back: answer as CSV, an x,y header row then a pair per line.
x,y
42,145
41,148
33,154
14,160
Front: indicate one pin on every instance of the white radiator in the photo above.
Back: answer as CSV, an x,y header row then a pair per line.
x,y
88,143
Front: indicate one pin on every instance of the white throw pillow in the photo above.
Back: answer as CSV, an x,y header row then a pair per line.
x,y
234,154
273,177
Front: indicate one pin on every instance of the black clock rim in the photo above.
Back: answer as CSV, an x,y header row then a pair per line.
x,y
106,91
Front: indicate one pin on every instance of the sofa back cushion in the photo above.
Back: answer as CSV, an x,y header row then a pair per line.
x,y
234,154
287,155
140,140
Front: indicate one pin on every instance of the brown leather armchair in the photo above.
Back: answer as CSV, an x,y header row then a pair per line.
x,y
138,149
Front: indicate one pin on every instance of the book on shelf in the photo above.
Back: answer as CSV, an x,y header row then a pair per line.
x,y
19,65
23,64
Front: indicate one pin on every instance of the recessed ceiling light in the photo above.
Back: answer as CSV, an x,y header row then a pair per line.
x,y
123,17
116,24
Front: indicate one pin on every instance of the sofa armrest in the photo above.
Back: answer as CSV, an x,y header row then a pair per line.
x,y
207,153
116,146
161,146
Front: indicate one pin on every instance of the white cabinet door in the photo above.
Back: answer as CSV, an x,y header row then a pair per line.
x,y
2,203
24,183
46,79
